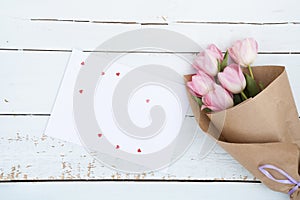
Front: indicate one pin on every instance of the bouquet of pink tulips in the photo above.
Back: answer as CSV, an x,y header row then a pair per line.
x,y
219,85
250,111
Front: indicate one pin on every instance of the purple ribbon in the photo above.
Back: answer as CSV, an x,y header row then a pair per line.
x,y
289,180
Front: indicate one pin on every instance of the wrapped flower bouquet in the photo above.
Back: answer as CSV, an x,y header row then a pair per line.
x,y
250,111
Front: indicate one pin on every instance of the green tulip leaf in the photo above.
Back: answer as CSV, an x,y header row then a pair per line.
x,y
251,88
225,61
219,66
200,103
207,110
198,100
237,99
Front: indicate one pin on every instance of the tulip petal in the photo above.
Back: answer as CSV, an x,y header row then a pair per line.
x,y
217,99
192,89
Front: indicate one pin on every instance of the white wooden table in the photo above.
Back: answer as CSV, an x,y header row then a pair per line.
x,y
36,38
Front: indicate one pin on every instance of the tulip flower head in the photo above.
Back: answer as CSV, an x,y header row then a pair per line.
x,y
232,79
217,99
244,52
201,84
208,60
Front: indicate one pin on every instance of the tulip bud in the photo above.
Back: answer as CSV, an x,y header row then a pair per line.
x,y
244,52
217,99
208,60
201,84
232,79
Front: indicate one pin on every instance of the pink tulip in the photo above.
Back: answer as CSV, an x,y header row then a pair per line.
x,y
208,59
244,52
216,50
232,79
217,99
201,84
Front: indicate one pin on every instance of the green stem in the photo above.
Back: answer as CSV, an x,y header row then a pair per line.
x,y
244,96
250,70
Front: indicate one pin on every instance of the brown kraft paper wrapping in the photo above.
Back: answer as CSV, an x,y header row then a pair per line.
x,y
261,130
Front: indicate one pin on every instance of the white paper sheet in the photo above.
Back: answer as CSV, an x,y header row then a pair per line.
x,y
61,123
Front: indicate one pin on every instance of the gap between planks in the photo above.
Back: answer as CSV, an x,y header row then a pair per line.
x,y
161,23
132,180
40,114
141,52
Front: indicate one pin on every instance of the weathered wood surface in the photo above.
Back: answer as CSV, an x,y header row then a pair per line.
x,y
61,35
27,155
135,11
36,39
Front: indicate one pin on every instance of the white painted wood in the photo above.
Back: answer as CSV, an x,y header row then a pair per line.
x,y
29,81
156,10
28,75
26,155
138,191
87,36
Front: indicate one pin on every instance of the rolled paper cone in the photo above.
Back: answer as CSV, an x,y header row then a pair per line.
x,y
271,116
261,130
280,154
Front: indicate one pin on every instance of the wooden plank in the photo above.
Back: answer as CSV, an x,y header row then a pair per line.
x,y
144,190
87,36
28,75
29,81
26,155
156,10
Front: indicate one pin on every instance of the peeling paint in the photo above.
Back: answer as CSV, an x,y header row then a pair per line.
x,y
140,176
25,157
44,137
25,176
89,169
219,179
63,165
62,176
